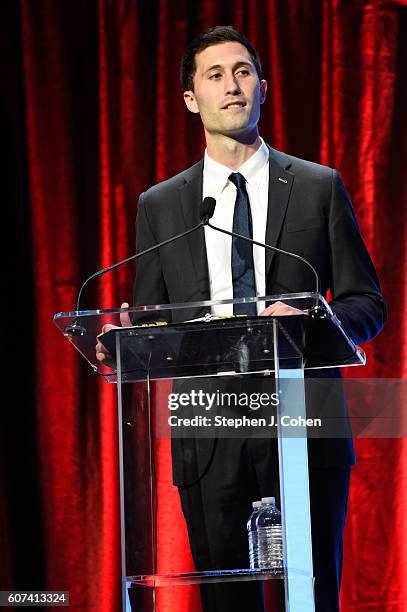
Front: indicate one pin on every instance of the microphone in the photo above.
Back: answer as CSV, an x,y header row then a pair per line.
x,y
209,209
206,210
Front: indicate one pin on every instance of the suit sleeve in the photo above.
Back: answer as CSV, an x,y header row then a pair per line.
x,y
149,286
357,299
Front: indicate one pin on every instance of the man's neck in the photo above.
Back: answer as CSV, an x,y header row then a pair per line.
x,y
230,152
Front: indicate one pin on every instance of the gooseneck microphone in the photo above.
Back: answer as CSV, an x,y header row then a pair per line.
x,y
210,204
206,210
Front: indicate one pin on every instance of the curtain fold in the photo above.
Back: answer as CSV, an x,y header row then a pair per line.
x,y
104,120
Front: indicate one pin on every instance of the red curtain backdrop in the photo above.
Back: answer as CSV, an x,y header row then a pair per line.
x,y
94,100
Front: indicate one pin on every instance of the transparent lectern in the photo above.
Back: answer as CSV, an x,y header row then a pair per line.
x,y
181,373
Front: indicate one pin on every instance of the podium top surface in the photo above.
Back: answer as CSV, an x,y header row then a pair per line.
x,y
173,340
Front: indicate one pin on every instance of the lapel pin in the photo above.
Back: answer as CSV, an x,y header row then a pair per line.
x,y
282,180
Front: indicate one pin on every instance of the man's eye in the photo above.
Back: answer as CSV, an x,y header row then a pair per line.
x,y
215,76
243,71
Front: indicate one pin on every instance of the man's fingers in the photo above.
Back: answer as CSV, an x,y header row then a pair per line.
x,y
102,353
271,310
280,309
124,316
107,327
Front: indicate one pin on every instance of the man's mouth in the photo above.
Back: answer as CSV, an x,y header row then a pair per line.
x,y
232,105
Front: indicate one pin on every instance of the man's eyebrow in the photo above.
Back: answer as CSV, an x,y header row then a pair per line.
x,y
236,65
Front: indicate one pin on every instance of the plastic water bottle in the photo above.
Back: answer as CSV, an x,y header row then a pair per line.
x,y
252,535
269,535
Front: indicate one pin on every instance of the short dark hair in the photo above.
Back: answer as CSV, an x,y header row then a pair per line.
x,y
213,36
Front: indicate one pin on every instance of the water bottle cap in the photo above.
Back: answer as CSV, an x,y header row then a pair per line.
x,y
256,504
269,500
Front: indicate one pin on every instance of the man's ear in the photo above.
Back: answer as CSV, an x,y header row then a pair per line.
x,y
190,101
263,90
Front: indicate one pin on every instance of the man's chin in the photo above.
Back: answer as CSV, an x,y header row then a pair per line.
x,y
238,130
232,128
243,133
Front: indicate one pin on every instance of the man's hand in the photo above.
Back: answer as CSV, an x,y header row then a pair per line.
x,y
281,309
101,352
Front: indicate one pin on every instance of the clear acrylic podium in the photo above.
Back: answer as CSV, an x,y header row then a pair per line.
x,y
175,368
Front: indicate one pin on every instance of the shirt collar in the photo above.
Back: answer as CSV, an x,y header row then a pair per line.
x,y
216,175
252,169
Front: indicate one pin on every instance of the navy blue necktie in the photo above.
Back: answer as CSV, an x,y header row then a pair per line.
x,y
244,284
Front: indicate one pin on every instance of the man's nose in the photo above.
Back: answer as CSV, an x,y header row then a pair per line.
x,y
232,86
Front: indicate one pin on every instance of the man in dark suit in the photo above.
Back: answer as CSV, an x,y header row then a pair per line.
x,y
300,207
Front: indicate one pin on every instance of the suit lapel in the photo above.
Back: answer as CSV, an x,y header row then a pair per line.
x,y
191,197
280,184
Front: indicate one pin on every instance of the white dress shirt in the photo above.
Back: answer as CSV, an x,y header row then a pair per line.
x,y
219,246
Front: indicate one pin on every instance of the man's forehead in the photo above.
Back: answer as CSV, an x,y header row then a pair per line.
x,y
222,54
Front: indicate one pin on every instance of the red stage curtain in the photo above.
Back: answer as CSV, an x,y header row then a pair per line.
x,y
104,119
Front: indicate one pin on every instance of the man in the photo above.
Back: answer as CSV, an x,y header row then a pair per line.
x,y
286,202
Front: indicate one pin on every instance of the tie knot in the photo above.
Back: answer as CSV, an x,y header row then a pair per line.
x,y
238,180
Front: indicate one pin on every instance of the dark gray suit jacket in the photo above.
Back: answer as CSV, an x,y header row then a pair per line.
x,y
309,213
